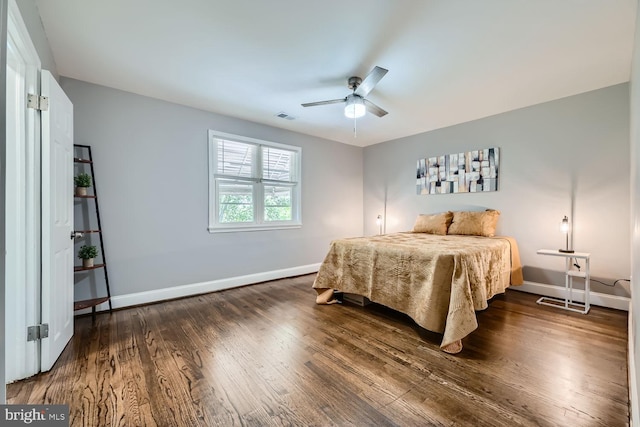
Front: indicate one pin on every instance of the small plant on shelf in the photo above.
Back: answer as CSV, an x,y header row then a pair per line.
x,y
82,181
87,253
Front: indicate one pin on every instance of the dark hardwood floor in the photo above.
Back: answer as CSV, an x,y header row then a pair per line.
x,y
268,355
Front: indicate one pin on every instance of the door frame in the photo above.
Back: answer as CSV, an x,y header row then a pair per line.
x,y
3,176
22,288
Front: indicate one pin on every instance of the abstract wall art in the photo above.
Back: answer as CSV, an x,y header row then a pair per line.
x,y
469,172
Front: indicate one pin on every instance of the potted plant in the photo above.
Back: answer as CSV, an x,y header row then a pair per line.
x,y
87,254
82,181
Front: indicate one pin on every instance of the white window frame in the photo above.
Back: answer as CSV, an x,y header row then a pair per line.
x,y
258,187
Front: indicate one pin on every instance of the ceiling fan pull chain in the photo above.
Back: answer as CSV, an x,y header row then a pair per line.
x,y
355,132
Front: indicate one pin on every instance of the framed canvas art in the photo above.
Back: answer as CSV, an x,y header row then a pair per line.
x,y
469,172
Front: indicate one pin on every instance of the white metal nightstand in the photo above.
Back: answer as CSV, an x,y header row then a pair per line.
x,y
567,303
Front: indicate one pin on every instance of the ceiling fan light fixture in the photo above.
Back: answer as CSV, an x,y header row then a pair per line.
x,y
354,107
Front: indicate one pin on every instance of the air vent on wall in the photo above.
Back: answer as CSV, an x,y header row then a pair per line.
x,y
285,116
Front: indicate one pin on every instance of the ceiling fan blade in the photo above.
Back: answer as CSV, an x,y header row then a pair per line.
x,y
374,109
371,81
332,101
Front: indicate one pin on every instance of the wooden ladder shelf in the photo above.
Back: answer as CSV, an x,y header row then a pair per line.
x,y
82,160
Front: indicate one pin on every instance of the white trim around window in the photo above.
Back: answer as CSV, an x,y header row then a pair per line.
x,y
253,184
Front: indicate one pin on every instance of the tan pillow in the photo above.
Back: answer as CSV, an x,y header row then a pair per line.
x,y
433,224
481,223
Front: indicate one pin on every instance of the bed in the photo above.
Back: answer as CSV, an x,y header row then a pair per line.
x,y
438,279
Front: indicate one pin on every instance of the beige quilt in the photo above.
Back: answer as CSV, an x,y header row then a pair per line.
x,y
439,281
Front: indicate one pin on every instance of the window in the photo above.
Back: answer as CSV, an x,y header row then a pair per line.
x,y
253,184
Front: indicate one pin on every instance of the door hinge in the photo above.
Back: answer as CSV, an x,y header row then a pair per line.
x,y
37,102
37,332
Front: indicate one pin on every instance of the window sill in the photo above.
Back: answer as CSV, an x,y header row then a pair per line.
x,y
261,227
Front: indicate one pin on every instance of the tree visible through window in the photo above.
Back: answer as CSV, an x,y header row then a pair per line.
x,y
253,184
277,203
235,206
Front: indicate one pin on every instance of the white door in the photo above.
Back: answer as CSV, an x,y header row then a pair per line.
x,y
57,220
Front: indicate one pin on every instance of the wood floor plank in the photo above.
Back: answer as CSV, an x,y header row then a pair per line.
x,y
266,354
126,383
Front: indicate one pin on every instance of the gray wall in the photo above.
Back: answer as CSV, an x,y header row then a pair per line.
x,y
565,157
152,178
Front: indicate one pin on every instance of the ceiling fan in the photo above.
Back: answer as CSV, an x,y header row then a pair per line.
x,y
356,104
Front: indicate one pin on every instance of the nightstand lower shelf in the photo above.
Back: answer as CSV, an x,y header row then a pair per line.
x,y
578,307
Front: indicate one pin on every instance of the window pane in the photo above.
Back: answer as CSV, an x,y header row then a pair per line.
x,y
236,158
277,203
235,202
277,164
253,184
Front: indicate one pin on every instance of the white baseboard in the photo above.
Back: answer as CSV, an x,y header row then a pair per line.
x,y
156,295
128,300
634,407
596,298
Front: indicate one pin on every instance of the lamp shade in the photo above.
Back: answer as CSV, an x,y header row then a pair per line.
x,y
354,107
564,225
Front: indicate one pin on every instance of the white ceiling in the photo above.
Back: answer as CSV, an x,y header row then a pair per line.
x,y
449,61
